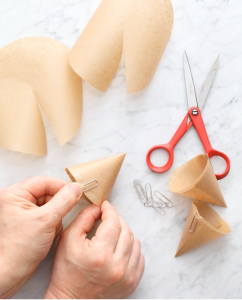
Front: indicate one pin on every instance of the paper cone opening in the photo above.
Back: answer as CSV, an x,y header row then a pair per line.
x,y
140,28
101,173
203,225
196,179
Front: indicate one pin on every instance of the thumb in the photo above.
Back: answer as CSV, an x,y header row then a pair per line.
x,y
63,201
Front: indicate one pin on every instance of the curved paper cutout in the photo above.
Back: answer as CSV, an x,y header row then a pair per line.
x,y
196,179
36,69
142,28
104,170
205,226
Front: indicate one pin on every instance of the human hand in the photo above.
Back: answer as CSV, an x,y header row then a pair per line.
x,y
110,265
31,213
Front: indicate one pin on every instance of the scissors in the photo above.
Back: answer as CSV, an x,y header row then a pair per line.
x,y
193,117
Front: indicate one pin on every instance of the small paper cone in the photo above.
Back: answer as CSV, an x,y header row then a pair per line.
x,y
207,226
196,179
104,170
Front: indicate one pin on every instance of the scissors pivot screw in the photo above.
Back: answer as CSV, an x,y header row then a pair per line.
x,y
195,112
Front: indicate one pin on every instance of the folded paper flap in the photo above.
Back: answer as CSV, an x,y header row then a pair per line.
x,y
104,171
42,64
142,28
202,226
21,124
196,179
96,54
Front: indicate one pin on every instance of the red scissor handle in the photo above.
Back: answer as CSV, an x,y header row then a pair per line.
x,y
197,120
169,147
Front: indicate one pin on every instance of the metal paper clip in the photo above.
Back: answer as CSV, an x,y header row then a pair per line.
x,y
92,186
167,203
146,197
140,191
160,209
149,197
192,223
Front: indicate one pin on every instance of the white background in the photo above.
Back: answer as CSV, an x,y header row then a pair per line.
x,y
114,122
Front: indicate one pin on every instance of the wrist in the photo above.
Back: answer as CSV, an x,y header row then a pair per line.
x,y
11,278
53,292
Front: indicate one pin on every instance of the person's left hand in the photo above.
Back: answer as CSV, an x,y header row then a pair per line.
x,y
31,213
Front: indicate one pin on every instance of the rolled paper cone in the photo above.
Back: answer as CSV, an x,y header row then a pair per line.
x,y
35,72
203,225
139,27
196,179
102,171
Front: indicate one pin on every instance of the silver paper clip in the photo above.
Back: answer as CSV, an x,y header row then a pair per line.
x,y
92,186
192,223
167,203
140,191
146,197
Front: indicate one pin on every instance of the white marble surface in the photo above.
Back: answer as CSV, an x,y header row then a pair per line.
x,y
114,122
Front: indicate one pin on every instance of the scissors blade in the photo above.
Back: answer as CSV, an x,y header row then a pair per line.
x,y
203,93
191,94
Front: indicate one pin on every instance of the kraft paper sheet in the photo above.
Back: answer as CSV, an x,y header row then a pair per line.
x,y
207,226
142,28
104,170
35,72
196,179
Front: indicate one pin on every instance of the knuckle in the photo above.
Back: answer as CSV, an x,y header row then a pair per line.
x,y
131,282
100,261
44,217
117,225
138,243
118,274
130,233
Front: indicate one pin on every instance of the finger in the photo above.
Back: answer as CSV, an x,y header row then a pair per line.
x,y
58,225
141,267
136,253
58,231
44,199
126,240
137,274
62,203
36,187
108,232
83,223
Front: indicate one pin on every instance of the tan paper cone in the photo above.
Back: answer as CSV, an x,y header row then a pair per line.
x,y
196,179
104,171
203,225
35,71
142,28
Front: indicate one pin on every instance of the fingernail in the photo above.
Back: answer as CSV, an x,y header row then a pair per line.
x,y
76,188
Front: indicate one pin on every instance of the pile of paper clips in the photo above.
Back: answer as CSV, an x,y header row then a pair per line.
x,y
146,198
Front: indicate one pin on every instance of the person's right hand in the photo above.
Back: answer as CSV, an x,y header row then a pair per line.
x,y
110,265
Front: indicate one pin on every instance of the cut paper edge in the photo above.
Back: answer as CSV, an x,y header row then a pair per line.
x,y
39,64
206,225
196,179
139,29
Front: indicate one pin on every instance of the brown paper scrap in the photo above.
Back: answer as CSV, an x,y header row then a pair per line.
x,y
104,171
203,225
196,179
142,28
35,71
